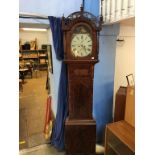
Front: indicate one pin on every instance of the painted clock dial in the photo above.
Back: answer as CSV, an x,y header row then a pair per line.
x,y
81,42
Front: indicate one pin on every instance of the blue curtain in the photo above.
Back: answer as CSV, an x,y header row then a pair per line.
x,y
57,137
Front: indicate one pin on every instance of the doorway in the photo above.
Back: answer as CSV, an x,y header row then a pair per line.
x,y
35,65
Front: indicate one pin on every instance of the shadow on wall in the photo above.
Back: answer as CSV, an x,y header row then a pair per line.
x,y
104,80
103,110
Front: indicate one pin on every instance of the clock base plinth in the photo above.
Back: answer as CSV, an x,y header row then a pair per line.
x,y
80,137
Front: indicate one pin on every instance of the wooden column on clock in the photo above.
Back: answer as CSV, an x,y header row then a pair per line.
x,y
81,54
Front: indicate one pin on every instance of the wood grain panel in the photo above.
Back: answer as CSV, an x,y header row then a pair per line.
x,y
80,97
124,132
81,137
130,106
76,71
120,102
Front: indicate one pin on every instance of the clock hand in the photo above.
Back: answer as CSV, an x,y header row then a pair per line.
x,y
85,49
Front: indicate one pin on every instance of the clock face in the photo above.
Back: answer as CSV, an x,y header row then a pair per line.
x,y
81,43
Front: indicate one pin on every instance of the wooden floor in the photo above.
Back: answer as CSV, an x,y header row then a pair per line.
x,y
32,106
44,149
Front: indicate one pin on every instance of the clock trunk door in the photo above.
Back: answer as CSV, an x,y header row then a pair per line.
x,y
80,91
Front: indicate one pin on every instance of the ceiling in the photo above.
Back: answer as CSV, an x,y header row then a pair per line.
x,y
33,25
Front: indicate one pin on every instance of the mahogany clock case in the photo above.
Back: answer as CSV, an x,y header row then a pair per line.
x,y
80,128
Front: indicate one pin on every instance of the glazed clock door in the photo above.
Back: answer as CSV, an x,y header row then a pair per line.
x,y
81,43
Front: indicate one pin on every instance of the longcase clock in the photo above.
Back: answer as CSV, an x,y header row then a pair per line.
x,y
81,53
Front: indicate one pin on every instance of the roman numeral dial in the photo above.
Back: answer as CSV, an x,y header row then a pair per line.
x,y
81,44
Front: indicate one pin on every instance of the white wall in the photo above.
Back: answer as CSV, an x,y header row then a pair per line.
x,y
42,37
125,56
54,78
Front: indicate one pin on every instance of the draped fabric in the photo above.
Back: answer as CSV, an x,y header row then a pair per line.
x,y
57,137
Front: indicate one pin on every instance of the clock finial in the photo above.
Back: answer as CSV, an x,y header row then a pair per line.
x,y
81,8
